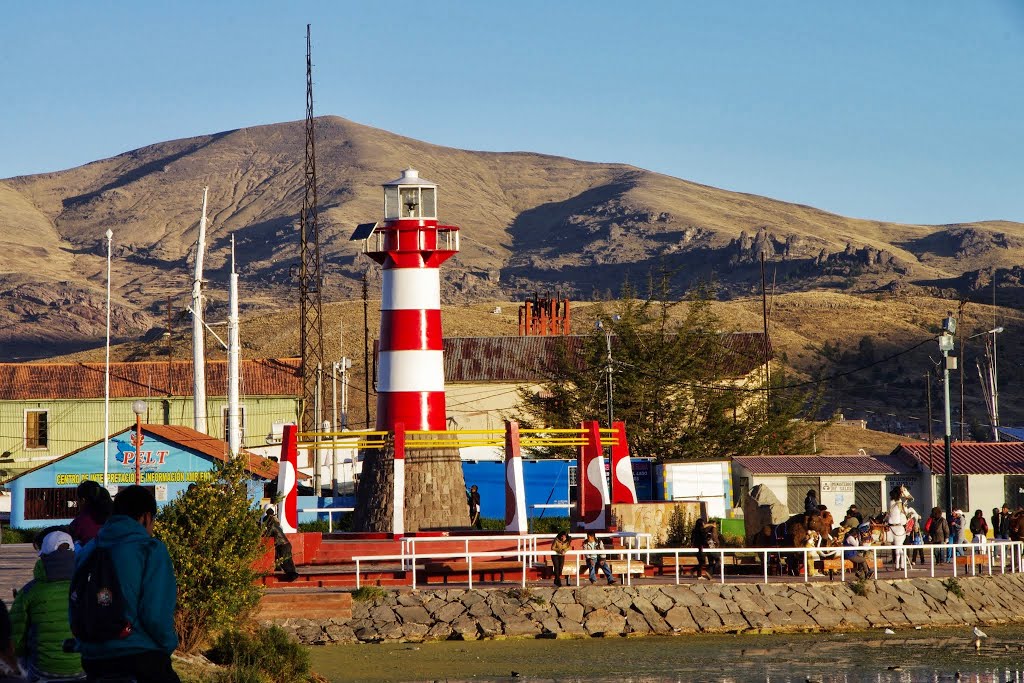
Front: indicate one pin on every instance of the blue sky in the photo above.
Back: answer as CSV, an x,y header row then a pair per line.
x,y
910,111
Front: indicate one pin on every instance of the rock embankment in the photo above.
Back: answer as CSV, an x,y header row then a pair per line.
x,y
444,614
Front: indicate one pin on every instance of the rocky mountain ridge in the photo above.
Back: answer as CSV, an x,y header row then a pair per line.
x,y
529,222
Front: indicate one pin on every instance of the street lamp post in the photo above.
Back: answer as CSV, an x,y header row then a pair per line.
x,y
948,363
139,408
106,372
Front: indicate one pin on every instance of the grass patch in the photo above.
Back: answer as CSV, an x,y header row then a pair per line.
x,y
953,586
368,593
525,595
859,587
263,655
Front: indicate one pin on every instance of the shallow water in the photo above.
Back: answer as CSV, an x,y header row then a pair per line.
x,y
907,657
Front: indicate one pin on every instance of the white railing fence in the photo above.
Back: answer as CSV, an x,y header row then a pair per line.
x,y
1006,556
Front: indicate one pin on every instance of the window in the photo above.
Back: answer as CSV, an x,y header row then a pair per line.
x,y
53,503
241,422
796,491
35,429
960,500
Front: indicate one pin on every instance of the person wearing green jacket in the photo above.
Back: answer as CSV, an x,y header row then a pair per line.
x,y
39,616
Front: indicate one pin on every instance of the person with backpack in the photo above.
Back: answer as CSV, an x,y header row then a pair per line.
x,y
123,617
39,616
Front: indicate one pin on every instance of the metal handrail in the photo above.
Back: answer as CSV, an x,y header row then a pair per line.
x,y
1016,557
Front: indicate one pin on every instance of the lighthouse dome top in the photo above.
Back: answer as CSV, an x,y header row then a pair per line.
x,y
411,176
410,196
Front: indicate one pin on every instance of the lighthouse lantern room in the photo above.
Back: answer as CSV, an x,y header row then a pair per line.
x,y
410,245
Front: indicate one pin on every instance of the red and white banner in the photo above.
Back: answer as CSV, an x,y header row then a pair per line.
x,y
592,498
287,482
515,485
623,484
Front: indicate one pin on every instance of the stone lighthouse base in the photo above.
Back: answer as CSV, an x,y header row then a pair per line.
x,y
435,490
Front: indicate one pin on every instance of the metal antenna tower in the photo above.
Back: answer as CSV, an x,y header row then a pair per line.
x,y
311,335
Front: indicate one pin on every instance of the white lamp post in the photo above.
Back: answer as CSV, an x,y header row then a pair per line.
x,y
106,383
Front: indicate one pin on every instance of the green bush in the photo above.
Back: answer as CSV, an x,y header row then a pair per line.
x,y
368,593
679,528
264,655
213,535
19,535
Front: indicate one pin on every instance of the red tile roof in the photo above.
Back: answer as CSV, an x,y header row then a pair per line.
x,y
32,381
968,457
190,439
533,359
822,464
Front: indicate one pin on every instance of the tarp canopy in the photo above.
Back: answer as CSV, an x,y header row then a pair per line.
x,y
760,507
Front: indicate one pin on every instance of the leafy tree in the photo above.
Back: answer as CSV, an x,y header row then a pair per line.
x,y
675,385
213,535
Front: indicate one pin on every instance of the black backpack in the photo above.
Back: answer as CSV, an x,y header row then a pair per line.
x,y
95,603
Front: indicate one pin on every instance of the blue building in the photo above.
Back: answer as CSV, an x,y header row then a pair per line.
x,y
171,458
548,482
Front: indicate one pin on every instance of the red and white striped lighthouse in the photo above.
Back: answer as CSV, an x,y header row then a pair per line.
x,y
410,245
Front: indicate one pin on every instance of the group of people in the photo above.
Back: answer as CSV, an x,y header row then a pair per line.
x,y
595,560
37,642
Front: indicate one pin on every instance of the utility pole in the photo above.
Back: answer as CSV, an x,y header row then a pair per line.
x,y
609,370
948,363
310,299
928,384
366,350
963,354
767,359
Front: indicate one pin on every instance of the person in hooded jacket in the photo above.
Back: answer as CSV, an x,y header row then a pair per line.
x,y
150,590
39,616
94,507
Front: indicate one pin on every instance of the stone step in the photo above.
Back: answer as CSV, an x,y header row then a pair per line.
x,y
319,605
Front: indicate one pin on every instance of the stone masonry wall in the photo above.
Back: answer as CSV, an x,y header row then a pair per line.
x,y
444,614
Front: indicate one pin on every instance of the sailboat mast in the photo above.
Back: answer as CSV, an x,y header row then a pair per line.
x,y
198,350
234,421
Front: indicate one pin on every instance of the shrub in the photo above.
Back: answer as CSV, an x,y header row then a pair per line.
x,y
261,655
19,535
679,528
953,586
213,535
859,587
368,593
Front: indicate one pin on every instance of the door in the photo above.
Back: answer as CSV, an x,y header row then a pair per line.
x,y
868,496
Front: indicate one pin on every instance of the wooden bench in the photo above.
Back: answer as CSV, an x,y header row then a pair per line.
x,y
833,566
485,570
979,560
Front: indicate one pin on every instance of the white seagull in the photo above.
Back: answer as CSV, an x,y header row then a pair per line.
x,y
890,632
978,635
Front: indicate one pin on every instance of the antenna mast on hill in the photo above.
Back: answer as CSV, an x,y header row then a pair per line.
x,y
310,302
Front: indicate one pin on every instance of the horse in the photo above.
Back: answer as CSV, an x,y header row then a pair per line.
x,y
802,531
896,523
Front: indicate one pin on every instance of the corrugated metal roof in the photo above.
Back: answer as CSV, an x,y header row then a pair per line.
x,y
968,457
822,464
534,359
32,381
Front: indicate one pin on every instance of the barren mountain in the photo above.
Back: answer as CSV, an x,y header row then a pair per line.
x,y
529,222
